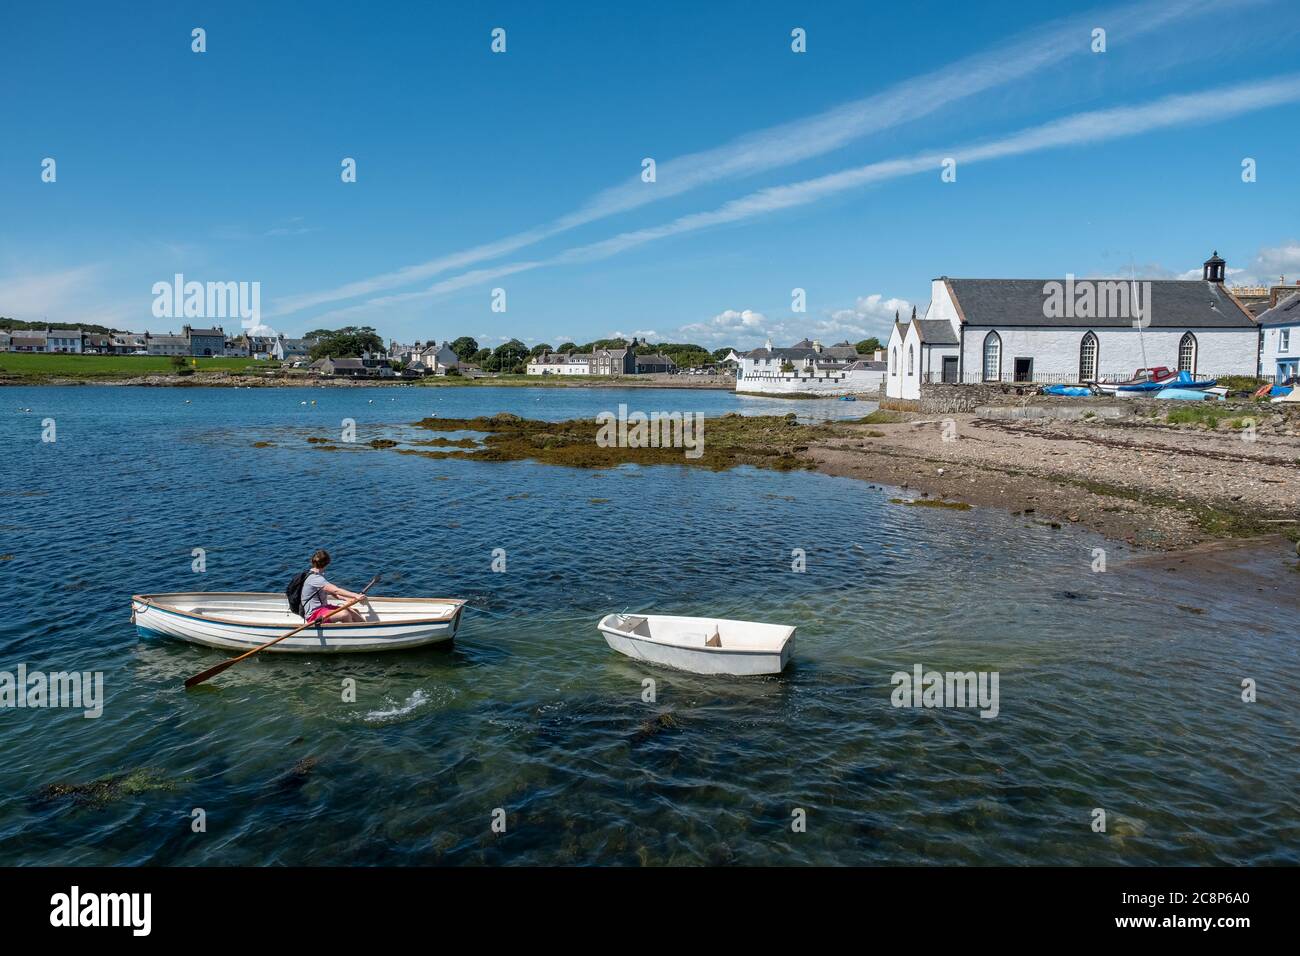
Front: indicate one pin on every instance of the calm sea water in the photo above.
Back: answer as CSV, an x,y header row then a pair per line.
x,y
1117,690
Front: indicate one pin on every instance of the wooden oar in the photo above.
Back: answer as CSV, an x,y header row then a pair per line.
x,y
214,671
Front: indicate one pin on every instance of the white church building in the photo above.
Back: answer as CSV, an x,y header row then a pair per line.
x,y
1072,330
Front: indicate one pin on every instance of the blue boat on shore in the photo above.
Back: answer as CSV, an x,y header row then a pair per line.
x,y
1187,395
1182,381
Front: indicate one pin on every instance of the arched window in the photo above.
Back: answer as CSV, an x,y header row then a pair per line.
x,y
1088,355
893,361
1187,354
992,357
911,358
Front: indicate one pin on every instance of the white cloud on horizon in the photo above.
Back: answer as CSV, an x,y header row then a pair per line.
x,y
61,297
870,315
1269,265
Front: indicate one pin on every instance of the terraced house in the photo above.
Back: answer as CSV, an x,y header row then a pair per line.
x,y
1279,330
205,342
63,340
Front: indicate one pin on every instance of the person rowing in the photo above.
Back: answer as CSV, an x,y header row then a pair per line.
x,y
316,590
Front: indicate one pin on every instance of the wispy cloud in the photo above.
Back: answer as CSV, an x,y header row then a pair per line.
x,y
63,295
1091,127
802,139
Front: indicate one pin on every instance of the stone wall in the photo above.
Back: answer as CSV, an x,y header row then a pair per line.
x,y
1004,400
937,398
865,384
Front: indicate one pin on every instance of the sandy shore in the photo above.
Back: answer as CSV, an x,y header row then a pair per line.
x,y
1150,484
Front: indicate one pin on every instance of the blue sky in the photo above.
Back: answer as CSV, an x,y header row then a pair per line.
x,y
775,170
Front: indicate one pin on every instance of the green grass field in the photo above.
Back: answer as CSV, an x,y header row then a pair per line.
x,y
35,365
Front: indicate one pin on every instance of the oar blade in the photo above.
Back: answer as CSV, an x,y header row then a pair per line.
x,y
208,674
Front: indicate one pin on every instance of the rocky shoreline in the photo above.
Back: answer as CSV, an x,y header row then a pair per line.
x,y
1164,480
1140,480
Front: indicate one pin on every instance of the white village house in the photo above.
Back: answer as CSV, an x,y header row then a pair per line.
x,y
1034,330
1279,329
561,363
809,368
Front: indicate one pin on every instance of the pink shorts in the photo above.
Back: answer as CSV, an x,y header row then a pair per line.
x,y
321,612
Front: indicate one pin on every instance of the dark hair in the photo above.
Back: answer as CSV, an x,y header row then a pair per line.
x,y
320,560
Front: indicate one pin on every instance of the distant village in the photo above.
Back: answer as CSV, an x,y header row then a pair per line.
x,y
974,332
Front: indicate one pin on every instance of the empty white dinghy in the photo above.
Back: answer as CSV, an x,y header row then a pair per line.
x,y
241,621
702,645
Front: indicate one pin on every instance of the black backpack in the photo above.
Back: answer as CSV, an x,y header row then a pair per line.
x,y
294,592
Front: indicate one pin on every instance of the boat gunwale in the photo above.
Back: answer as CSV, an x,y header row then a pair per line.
x,y
632,636
150,600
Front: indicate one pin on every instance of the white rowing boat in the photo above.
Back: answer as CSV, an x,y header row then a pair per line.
x,y
240,621
702,645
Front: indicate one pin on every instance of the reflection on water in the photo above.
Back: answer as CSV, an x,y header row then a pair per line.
x,y
1115,692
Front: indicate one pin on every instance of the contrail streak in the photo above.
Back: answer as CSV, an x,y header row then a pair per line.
x,y
802,139
1091,127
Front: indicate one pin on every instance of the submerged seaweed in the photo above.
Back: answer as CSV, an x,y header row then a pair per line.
x,y
764,441
108,789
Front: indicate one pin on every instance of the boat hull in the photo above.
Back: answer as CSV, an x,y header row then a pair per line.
x,y
153,617
725,661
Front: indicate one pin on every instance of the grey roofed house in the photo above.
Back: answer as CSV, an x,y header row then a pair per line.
x,y
841,350
168,342
934,332
654,361
792,353
550,358
1286,312
866,365
350,362
1175,303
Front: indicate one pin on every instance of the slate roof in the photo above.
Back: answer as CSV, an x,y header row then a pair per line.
x,y
1286,312
654,360
350,362
549,358
842,351
936,332
790,353
1175,303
